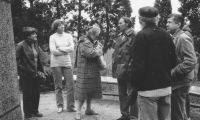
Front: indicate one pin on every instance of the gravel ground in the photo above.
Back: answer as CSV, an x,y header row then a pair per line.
x,y
108,109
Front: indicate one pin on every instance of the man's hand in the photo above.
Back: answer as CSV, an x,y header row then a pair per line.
x,y
42,76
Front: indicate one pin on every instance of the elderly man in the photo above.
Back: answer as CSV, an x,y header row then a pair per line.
x,y
183,73
153,57
120,60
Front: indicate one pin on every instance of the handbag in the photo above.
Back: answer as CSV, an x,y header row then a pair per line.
x,y
132,96
102,63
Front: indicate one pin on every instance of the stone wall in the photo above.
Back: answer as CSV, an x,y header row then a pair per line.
x,y
10,108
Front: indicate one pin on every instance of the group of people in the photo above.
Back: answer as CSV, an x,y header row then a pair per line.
x,y
159,64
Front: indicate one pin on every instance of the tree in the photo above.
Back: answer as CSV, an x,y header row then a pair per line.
x,y
191,10
106,13
17,7
31,3
165,8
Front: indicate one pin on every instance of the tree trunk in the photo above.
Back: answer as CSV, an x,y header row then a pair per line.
x,y
107,32
31,3
79,19
58,9
10,108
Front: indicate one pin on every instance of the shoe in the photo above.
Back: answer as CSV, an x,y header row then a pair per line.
x,y
90,112
77,118
71,110
78,114
38,114
123,118
30,118
59,110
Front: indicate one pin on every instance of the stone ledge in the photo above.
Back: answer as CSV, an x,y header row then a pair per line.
x,y
104,79
109,85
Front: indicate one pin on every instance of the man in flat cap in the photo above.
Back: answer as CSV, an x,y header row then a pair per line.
x,y
183,73
153,57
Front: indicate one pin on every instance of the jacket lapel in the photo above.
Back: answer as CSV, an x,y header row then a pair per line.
x,y
123,41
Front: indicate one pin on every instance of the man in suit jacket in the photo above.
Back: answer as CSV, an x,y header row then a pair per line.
x,y
120,61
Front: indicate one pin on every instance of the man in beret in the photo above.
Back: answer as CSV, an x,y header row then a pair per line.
x,y
153,57
183,73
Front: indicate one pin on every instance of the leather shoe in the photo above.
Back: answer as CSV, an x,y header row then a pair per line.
x,y
38,114
71,110
90,112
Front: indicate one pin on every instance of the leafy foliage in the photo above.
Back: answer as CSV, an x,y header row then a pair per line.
x,y
165,8
191,10
40,15
106,14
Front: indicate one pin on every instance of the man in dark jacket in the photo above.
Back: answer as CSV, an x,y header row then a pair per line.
x,y
183,73
153,57
30,70
120,60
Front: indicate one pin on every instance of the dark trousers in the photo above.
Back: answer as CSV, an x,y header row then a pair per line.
x,y
178,103
31,94
127,111
188,105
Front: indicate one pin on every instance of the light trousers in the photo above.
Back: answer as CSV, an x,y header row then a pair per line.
x,y
66,72
155,108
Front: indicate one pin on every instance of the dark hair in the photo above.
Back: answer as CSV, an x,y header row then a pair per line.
x,y
27,31
55,24
177,18
128,21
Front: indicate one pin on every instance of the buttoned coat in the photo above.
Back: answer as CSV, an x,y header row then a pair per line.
x,y
121,56
88,84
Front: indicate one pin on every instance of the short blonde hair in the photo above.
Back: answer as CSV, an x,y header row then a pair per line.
x,y
55,24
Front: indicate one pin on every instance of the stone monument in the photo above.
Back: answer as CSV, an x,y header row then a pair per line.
x,y
10,108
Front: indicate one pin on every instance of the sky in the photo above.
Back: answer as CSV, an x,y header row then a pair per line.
x,y
136,4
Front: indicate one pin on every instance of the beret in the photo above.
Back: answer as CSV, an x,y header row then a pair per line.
x,y
148,12
29,29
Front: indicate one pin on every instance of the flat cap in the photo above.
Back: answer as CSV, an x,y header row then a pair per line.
x,y
148,12
29,29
